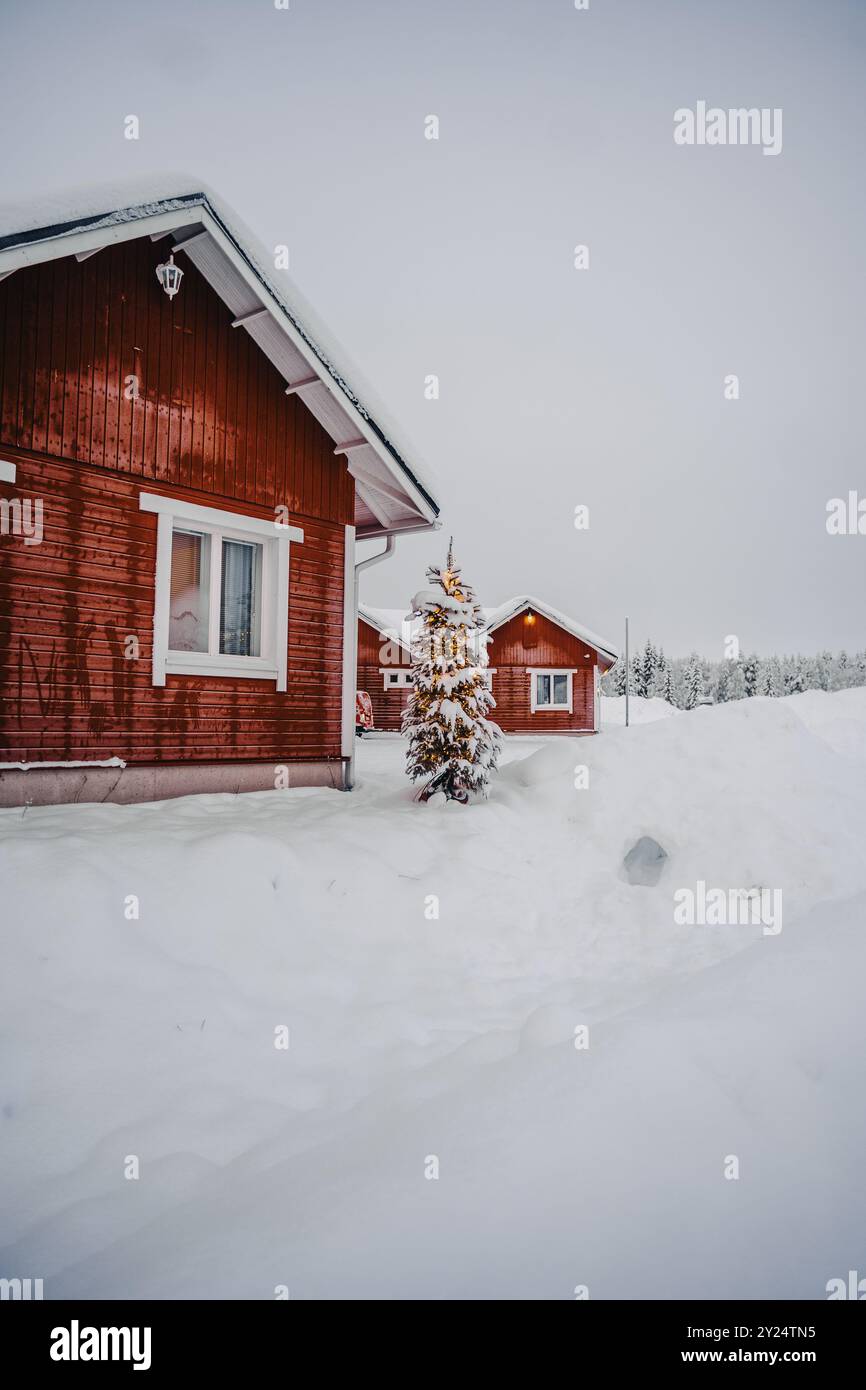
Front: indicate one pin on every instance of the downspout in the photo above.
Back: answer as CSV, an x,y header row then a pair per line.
x,y
390,547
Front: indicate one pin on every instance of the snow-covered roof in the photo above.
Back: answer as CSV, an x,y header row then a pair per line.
x,y
393,623
495,617
392,495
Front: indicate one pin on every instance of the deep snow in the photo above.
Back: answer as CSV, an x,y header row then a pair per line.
x,y
412,1036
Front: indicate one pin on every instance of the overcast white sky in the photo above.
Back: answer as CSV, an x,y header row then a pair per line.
x,y
455,257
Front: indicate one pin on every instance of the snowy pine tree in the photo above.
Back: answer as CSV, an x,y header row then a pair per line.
x,y
668,688
751,667
660,674
452,743
648,670
736,682
694,682
795,682
617,678
842,676
769,682
636,685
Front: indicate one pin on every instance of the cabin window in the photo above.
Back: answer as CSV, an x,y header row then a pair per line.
x,y
396,680
190,576
221,592
551,690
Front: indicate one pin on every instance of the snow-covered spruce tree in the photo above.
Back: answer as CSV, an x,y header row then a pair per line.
x,y
795,682
751,668
616,679
693,682
770,682
648,664
668,688
452,743
660,675
636,684
736,682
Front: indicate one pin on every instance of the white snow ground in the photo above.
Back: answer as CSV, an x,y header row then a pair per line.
x,y
413,1037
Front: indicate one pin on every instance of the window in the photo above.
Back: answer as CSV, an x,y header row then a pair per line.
x,y
396,680
550,690
221,592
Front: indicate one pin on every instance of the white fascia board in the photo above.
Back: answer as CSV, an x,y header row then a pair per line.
x,y
258,288
369,533
95,238
211,516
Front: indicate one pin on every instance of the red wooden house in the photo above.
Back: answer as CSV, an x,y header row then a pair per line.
x,y
384,664
183,478
544,667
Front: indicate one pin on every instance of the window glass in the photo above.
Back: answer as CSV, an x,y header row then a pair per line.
x,y
240,598
542,690
188,611
560,690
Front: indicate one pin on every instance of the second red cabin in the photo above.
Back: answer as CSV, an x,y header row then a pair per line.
x,y
545,668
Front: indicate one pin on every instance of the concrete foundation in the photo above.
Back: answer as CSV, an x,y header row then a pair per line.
x,y
53,786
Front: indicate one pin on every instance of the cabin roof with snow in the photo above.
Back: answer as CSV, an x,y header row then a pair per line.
x,y
392,623
395,624
392,495
521,603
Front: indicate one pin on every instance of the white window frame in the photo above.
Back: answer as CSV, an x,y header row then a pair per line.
x,y
404,681
533,672
274,539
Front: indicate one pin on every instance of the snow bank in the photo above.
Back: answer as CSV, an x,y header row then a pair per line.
x,y
640,711
414,1034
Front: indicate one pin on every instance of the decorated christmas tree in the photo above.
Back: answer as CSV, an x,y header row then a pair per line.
x,y
452,743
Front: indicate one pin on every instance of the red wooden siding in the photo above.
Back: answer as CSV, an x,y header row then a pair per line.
x,y
212,424
388,705
68,692
518,645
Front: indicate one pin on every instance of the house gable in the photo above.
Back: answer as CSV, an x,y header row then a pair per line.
x,y
99,366
389,495
532,640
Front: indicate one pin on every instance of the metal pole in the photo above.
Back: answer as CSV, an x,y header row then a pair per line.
x,y
627,673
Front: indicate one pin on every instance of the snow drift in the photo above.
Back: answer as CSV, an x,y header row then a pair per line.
x,y
431,966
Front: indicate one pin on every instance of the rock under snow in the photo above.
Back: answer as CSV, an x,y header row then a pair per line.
x,y
645,861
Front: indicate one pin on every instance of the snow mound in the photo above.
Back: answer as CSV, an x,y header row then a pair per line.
x,y
640,711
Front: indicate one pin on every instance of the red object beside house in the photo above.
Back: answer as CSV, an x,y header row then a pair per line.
x,y
363,712
182,481
544,668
